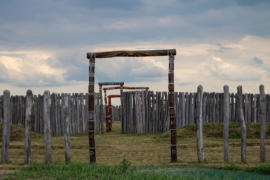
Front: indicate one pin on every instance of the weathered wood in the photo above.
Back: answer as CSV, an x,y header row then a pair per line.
x,y
91,108
28,114
199,123
1,109
138,53
262,120
6,127
110,84
66,117
182,103
101,120
226,116
171,109
243,124
47,126
121,100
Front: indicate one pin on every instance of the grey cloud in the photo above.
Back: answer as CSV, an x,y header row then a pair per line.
x,y
257,60
67,23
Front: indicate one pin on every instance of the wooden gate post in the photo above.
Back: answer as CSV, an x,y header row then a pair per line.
x,y
47,126
199,123
121,110
262,120
28,115
91,108
243,124
101,118
226,117
171,108
6,126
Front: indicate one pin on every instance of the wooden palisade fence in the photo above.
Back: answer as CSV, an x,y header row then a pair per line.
x,y
144,112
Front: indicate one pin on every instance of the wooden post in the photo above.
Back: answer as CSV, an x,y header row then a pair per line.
x,y
47,126
109,115
91,108
171,108
122,112
199,123
243,124
66,118
226,116
6,126
101,122
28,114
262,120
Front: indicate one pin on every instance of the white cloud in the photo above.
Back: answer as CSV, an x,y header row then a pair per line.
x,y
29,68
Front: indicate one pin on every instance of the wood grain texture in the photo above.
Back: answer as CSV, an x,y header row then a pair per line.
x,y
110,84
199,123
91,109
262,120
172,109
226,116
140,53
6,127
243,124
66,118
47,127
27,140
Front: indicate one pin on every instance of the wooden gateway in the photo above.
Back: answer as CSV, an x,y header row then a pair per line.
x,y
91,123
121,84
108,110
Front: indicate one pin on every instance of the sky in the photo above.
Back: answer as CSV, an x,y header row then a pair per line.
x,y
43,43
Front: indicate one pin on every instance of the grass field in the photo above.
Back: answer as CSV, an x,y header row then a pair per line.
x,y
86,171
144,150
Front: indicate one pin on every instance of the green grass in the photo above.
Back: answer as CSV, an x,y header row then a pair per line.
x,y
125,171
86,171
146,149
205,173
216,130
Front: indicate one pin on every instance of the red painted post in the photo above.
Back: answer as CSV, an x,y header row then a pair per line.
x,y
108,109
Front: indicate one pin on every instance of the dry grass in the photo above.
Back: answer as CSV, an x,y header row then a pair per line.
x,y
140,150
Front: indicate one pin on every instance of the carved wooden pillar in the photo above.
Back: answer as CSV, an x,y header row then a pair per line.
x,y
171,109
91,108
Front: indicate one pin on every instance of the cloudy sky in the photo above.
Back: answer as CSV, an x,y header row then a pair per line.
x,y
43,43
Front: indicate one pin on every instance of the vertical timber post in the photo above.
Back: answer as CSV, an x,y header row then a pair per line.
x,y
262,120
28,114
66,118
243,124
199,123
47,126
91,108
171,108
101,123
226,117
106,110
122,108
110,114
6,126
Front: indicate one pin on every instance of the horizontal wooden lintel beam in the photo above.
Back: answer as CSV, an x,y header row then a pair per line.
x,y
125,87
114,96
110,83
139,53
